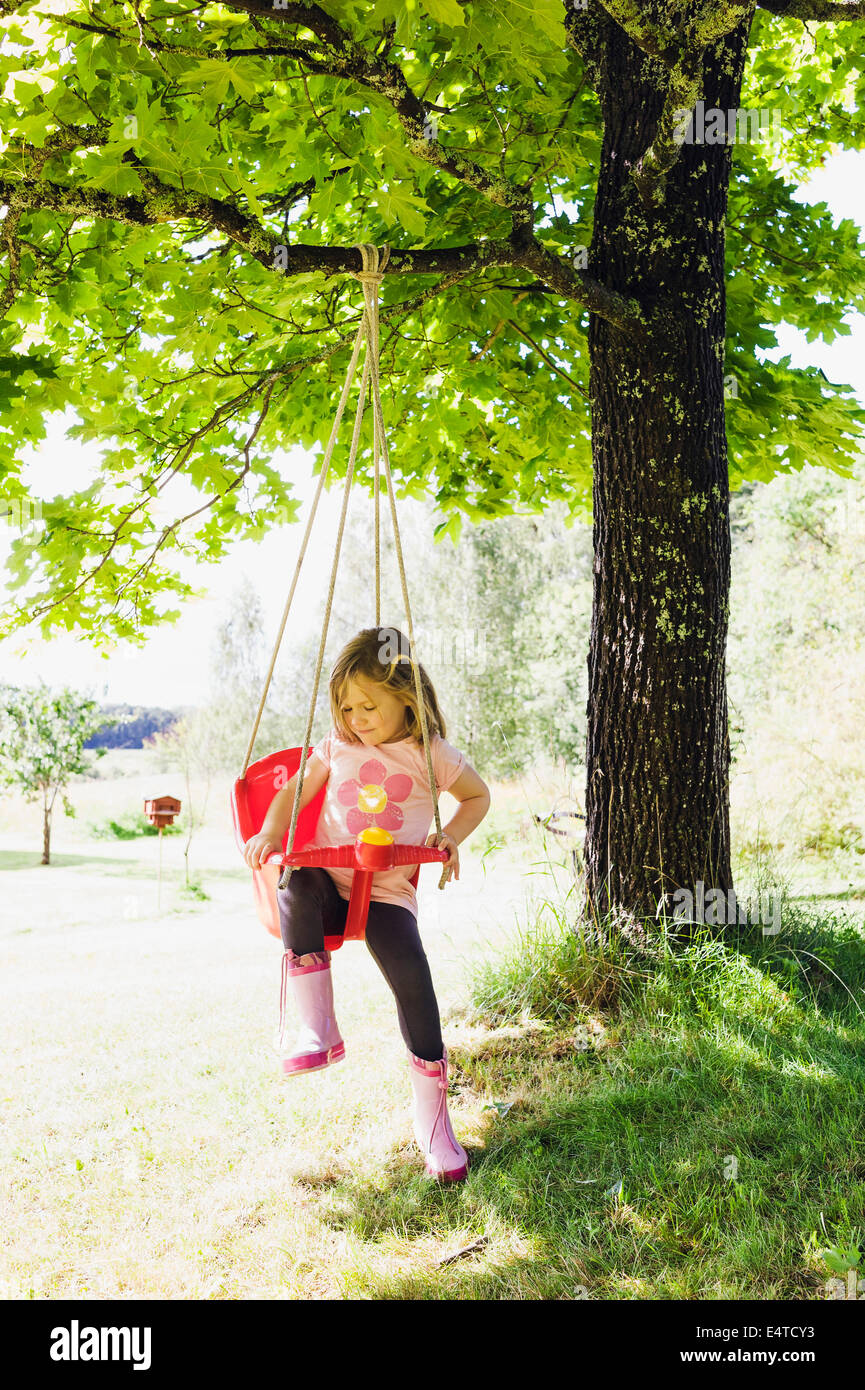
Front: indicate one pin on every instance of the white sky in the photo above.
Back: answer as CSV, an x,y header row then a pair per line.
x,y
172,667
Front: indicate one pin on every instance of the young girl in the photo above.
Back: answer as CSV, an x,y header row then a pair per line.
x,y
375,768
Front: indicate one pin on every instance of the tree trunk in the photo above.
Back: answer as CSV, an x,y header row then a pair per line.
x,y
657,803
46,833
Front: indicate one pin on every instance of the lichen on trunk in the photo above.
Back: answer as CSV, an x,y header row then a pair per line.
x,y
657,744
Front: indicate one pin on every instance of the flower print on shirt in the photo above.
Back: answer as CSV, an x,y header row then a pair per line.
x,y
373,799
385,786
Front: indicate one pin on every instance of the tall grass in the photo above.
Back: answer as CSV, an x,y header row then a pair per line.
x,y
688,1117
561,963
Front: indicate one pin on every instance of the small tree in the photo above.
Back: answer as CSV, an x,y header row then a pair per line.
x,y
188,745
42,738
239,657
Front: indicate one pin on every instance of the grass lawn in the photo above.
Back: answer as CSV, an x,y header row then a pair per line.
x,y
640,1124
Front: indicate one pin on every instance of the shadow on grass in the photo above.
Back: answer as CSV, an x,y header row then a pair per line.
x,y
20,859
707,1144
845,895
115,867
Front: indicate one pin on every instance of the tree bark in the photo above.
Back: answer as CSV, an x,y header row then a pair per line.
x,y
657,805
46,833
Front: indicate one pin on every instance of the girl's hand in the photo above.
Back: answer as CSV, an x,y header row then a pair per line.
x,y
444,841
258,848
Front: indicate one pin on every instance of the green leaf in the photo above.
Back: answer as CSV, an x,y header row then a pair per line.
x,y
217,76
445,12
112,174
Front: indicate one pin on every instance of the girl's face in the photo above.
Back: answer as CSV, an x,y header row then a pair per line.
x,y
374,714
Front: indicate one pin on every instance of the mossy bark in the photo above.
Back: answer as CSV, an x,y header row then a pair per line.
x,y
658,747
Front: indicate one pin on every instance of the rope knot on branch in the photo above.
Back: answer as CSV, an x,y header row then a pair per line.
x,y
374,262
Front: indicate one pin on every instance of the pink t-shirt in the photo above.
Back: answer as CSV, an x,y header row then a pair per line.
x,y
387,785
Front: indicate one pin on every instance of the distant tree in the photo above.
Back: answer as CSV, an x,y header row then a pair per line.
x,y
188,746
517,691
240,656
797,663
42,738
213,738
128,725
236,670
496,615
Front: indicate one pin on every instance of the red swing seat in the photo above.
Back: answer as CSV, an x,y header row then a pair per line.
x,y
251,796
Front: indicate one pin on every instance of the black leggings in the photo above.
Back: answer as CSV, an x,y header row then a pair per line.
x,y
311,907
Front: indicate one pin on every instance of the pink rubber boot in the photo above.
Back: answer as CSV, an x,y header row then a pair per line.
x,y
444,1158
319,1042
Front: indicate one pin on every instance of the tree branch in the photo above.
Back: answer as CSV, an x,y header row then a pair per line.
x,y
575,284
349,59
160,204
828,10
182,50
711,22
548,359
655,39
311,17
13,248
583,32
715,19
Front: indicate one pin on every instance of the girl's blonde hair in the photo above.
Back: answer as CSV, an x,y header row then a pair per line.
x,y
367,656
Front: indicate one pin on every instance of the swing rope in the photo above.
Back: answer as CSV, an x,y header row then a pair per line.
x,y
370,278
379,419
325,465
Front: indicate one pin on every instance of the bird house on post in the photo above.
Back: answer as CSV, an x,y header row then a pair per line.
x,y
161,810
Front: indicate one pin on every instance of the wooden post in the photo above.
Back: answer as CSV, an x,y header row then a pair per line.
x,y
160,811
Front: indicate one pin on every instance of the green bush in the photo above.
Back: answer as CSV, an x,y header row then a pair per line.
x,y
129,826
831,837
194,889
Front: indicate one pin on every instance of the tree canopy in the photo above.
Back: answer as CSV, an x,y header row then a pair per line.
x,y
183,186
